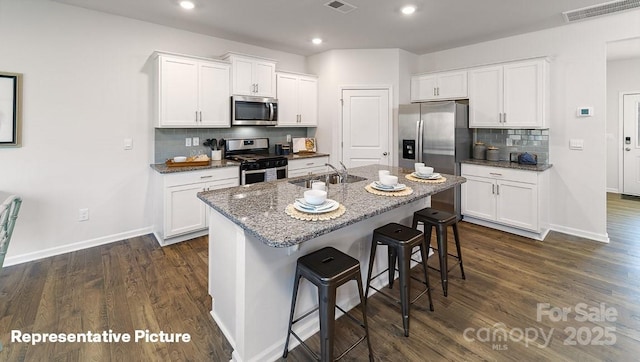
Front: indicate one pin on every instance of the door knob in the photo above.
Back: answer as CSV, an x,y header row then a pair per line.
x,y
386,153
628,148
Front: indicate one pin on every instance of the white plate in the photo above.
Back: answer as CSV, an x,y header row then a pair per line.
x,y
433,176
380,187
309,209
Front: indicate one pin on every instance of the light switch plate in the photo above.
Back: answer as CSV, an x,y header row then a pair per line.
x,y
128,144
187,142
576,144
195,141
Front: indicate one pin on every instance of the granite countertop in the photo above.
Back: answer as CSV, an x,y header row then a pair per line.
x,y
259,208
507,164
299,156
162,168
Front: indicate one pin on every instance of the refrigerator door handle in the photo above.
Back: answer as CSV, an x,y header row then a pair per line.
x,y
419,146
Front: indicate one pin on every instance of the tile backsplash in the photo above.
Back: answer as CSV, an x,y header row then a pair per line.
x,y
170,142
516,140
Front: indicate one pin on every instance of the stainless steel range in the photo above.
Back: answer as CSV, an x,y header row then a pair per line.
x,y
256,163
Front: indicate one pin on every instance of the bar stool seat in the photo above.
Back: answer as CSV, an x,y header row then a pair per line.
x,y
327,268
400,241
439,219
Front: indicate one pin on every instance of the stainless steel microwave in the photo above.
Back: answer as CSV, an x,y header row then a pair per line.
x,y
254,111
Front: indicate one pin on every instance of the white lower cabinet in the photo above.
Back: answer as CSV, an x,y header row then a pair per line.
x,y
508,199
180,215
307,166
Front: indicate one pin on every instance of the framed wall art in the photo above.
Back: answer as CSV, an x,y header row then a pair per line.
x,y
10,109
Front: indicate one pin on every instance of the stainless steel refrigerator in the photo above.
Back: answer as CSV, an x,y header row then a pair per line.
x,y
437,134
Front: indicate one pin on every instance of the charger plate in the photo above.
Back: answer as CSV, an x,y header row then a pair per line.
x,y
291,211
416,179
404,192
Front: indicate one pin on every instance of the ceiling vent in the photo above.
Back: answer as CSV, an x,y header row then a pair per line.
x,y
599,10
342,6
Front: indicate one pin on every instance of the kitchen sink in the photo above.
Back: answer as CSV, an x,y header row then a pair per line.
x,y
333,179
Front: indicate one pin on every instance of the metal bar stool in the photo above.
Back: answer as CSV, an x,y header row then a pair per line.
x,y
400,241
327,268
440,220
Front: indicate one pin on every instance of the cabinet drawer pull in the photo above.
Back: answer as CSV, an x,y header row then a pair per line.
x,y
210,176
310,164
495,174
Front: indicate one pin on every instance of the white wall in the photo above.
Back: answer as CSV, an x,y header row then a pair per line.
x,y
357,67
578,78
622,76
86,88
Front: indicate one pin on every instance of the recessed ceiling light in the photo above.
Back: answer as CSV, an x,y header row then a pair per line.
x,y
187,4
408,10
316,41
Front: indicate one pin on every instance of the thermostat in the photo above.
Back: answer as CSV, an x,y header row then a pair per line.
x,y
585,112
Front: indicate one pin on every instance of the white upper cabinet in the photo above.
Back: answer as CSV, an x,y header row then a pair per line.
x,y
509,95
252,76
439,86
192,92
297,100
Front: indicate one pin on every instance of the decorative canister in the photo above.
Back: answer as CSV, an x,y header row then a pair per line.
x,y
479,150
493,153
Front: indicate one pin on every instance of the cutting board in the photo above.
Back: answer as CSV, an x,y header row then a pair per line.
x,y
304,145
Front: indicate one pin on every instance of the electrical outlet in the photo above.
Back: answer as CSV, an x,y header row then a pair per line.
x,y
196,141
187,141
83,214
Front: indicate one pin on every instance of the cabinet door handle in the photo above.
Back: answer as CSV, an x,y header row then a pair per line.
x,y
505,118
493,189
196,116
257,87
497,189
200,116
438,88
434,91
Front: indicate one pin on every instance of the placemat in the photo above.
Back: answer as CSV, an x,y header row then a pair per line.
x,y
407,191
436,181
291,211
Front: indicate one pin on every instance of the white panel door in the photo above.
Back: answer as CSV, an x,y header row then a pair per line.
x,y
517,204
478,198
423,87
523,94
631,144
184,211
365,127
452,85
178,91
214,93
307,101
265,78
287,99
243,82
485,97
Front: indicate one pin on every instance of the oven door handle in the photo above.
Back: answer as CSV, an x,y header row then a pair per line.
x,y
254,171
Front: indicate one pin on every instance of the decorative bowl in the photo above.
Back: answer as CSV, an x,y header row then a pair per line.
x,y
315,197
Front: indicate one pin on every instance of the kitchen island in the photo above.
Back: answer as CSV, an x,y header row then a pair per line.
x,y
254,245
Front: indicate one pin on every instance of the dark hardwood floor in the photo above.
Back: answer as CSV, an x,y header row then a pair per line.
x,y
492,315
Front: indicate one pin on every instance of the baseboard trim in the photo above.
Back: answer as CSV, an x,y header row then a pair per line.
x,y
40,254
613,190
527,234
603,238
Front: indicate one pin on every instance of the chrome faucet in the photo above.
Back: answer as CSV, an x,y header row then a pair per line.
x,y
342,174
